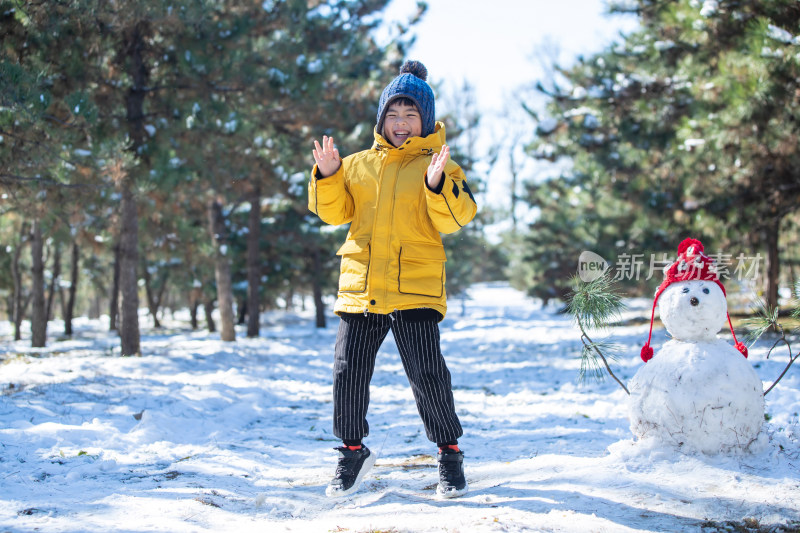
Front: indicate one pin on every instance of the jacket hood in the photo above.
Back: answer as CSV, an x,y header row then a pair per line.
x,y
414,145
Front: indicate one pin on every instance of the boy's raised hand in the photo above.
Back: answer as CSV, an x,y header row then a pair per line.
x,y
326,156
436,168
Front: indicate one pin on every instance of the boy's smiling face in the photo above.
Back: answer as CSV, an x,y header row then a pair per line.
x,y
401,123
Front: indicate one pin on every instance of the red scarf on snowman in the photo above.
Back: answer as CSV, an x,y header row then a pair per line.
x,y
692,265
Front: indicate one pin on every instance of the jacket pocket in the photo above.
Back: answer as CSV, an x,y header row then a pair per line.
x,y
355,265
422,269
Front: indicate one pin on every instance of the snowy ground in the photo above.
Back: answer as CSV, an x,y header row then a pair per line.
x,y
200,435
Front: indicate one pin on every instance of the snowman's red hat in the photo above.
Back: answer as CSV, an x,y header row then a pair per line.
x,y
691,265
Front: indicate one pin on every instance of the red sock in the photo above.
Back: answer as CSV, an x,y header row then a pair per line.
x,y
353,448
453,447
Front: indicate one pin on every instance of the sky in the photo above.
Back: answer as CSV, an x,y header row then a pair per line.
x,y
498,47
494,45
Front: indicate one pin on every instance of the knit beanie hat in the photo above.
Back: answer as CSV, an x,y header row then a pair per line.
x,y
410,84
691,265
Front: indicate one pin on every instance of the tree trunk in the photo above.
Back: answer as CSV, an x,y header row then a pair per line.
x,y
161,296
39,311
253,263
514,178
128,280
317,288
133,44
773,263
208,309
96,303
63,301
290,298
113,306
241,311
222,271
18,308
54,281
152,303
194,303
73,287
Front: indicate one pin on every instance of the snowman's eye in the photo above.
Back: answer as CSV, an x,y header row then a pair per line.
x,y
685,290
706,291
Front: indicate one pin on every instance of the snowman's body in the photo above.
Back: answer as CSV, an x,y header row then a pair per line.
x,y
698,392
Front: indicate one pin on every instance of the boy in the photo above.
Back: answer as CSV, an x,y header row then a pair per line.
x,y
397,196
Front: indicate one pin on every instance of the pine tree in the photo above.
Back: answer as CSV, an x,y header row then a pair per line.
x,y
687,127
44,124
172,106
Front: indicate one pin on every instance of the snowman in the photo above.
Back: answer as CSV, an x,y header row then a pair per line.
x,y
698,392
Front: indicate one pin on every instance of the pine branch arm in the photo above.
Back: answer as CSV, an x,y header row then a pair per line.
x,y
792,359
592,346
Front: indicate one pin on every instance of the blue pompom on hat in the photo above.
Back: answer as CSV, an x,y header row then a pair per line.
x,y
410,84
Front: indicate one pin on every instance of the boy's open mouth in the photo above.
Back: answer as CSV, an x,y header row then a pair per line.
x,y
402,134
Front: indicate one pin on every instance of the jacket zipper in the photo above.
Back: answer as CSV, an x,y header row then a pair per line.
x,y
374,225
391,220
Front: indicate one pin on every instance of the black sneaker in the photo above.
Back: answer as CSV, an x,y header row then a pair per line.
x,y
452,482
352,466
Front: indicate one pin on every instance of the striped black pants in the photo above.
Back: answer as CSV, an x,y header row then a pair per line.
x,y
416,333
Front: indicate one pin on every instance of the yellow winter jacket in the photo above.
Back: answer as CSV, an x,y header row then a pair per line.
x,y
393,258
